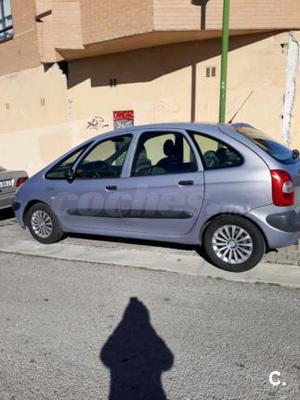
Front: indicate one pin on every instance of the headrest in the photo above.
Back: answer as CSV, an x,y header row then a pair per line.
x,y
169,148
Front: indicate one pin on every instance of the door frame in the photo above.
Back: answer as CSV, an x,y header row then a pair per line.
x,y
137,136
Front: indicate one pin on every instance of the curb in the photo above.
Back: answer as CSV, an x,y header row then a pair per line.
x,y
176,262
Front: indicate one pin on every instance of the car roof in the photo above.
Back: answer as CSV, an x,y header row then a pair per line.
x,y
202,127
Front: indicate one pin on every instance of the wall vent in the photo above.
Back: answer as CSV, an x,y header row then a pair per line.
x,y
211,72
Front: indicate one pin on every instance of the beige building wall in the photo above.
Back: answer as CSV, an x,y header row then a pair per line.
x,y
162,84
32,98
295,118
33,118
169,83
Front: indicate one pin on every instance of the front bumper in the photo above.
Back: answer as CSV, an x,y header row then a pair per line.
x,y
288,221
17,207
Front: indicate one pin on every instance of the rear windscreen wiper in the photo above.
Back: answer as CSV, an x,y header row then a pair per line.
x,y
296,154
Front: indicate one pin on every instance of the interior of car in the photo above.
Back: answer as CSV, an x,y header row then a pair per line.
x,y
163,153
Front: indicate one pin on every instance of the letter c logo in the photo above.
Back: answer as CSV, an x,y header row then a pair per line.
x,y
274,374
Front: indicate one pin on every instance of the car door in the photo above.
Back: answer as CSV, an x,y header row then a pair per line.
x,y
88,201
163,192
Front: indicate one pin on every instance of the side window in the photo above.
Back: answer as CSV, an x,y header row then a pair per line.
x,y
6,23
59,170
215,153
105,160
161,153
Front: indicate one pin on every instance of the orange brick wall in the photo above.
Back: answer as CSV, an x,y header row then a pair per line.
x,y
107,19
67,29
245,14
21,52
75,23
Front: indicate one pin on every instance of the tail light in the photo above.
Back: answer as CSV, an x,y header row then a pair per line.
x,y
283,188
20,181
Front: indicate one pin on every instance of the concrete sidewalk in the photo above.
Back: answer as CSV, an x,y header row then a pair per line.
x,y
178,260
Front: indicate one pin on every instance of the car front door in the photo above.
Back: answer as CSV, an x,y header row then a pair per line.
x,y
88,201
163,192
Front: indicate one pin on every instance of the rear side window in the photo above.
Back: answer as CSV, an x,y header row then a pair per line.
x,y
269,145
215,153
59,170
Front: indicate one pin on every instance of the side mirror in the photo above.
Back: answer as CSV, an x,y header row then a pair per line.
x,y
69,175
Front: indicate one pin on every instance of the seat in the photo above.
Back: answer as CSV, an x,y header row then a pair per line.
x,y
222,156
143,164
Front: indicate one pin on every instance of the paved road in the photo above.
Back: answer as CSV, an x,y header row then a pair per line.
x,y
286,256
185,260
66,327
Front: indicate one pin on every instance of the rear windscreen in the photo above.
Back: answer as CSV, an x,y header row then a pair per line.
x,y
268,144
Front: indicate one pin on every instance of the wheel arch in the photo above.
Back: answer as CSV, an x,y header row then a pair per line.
x,y
28,206
217,216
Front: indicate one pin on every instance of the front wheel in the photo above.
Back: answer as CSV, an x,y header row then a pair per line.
x,y
234,243
43,224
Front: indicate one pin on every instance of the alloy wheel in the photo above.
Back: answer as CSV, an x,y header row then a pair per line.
x,y
232,244
41,224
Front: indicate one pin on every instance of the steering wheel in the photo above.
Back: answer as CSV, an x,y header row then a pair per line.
x,y
102,167
211,159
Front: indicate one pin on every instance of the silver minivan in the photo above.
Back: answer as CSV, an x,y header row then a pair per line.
x,y
228,188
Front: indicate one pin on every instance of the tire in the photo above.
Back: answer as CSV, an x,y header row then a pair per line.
x,y
43,224
234,243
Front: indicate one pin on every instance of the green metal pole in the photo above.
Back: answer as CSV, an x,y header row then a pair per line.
x,y
224,62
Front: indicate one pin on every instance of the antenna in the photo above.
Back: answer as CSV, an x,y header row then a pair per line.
x,y
241,106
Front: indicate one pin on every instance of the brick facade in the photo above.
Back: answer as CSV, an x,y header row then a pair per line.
x,y
245,14
22,51
83,28
157,52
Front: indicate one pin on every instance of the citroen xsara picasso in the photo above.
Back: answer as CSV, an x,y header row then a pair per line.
x,y
228,188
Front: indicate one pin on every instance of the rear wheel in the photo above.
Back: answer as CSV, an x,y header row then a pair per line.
x,y
234,243
43,224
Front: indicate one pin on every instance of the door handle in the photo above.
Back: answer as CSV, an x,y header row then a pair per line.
x,y
111,188
185,183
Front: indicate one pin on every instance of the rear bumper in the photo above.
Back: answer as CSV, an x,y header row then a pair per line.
x,y
288,221
280,227
6,200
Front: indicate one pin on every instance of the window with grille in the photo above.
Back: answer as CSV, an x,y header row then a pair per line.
x,y
6,24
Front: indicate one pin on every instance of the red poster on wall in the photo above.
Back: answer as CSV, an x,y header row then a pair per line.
x,y
123,119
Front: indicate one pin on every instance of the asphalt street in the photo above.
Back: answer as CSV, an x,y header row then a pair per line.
x,y
139,254
77,330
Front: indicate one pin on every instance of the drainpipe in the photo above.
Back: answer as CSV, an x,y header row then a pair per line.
x,y
224,61
290,91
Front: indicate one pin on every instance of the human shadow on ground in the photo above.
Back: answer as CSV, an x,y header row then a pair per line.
x,y
136,357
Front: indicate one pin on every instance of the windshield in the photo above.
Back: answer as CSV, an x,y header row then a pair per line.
x,y
269,145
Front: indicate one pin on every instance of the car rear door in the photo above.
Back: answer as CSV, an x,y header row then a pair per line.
x,y
163,192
